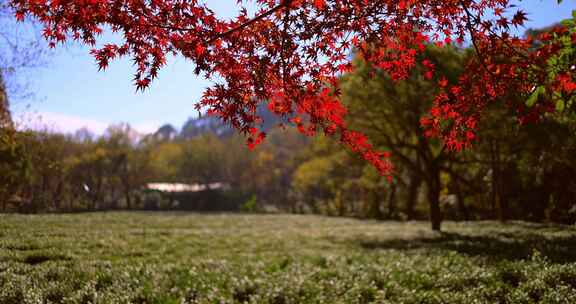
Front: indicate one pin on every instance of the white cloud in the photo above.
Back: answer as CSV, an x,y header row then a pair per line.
x,y
146,127
65,123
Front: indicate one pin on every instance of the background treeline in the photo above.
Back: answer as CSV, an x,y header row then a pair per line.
x,y
47,171
514,171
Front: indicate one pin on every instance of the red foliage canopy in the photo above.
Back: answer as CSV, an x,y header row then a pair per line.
x,y
291,53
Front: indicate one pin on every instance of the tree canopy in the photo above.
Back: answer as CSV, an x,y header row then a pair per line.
x,y
290,54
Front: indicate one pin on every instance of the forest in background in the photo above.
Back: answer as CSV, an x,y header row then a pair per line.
x,y
513,171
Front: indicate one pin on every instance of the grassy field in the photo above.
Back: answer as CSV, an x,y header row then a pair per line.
x,y
192,258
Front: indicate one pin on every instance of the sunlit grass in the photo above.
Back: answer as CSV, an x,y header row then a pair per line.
x,y
232,258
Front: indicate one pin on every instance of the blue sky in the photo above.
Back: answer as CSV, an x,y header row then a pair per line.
x,y
70,92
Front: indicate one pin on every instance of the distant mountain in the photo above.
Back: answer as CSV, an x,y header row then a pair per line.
x,y
202,125
165,132
211,124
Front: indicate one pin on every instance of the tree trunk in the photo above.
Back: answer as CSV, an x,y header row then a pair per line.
x,y
341,207
460,201
413,187
434,186
371,206
128,198
392,202
502,197
59,197
127,191
498,199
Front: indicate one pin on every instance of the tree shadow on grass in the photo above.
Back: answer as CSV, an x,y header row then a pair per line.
x,y
496,245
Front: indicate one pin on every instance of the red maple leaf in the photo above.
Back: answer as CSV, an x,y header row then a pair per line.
x,y
292,52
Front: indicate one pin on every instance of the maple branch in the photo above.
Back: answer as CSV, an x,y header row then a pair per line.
x,y
283,46
474,42
524,56
269,12
250,22
472,36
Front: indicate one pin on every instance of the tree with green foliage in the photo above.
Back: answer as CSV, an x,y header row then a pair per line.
x,y
202,160
390,113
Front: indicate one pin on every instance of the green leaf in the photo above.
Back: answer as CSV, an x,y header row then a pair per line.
x,y
534,96
567,22
560,105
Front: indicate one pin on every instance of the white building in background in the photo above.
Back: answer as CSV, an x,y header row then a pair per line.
x,y
179,187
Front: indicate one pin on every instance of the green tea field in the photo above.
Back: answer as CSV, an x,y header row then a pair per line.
x,y
139,257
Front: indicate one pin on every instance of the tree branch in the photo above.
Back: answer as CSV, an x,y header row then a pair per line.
x,y
473,37
271,11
